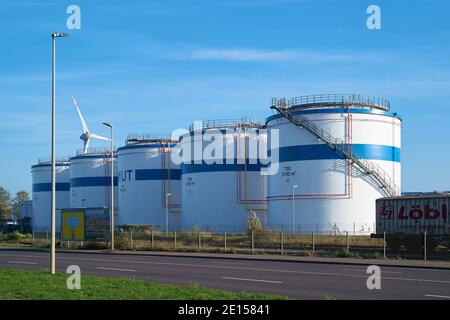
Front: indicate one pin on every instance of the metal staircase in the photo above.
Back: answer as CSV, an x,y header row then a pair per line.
x,y
370,168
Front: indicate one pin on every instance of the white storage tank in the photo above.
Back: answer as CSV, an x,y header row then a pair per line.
x,y
149,182
219,188
331,193
90,179
41,175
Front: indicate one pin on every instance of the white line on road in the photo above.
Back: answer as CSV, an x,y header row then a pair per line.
x,y
437,296
22,262
255,280
129,261
382,271
116,269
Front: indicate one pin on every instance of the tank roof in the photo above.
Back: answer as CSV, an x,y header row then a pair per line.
x,y
227,123
48,160
134,138
332,101
94,151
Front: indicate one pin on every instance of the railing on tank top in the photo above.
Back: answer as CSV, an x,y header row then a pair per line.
x,y
332,100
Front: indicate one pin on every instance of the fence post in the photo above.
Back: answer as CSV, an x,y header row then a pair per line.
x,y
152,238
384,244
425,245
199,241
346,241
225,242
175,239
282,244
313,244
131,239
253,242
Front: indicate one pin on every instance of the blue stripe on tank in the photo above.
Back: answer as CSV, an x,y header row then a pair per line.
x,y
92,182
157,174
193,168
94,156
324,152
47,187
305,152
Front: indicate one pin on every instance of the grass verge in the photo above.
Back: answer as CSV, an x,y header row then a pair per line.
x,y
40,285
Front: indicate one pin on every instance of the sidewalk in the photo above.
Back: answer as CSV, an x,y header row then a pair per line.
x,y
264,257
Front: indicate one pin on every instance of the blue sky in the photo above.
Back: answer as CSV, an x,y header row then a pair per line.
x,y
153,66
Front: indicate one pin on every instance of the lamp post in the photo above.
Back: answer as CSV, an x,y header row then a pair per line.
x,y
53,196
111,207
167,212
293,208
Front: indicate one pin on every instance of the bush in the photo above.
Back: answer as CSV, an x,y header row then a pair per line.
x,y
343,253
253,223
16,236
122,239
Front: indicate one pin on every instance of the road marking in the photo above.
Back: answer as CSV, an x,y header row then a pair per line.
x,y
437,296
382,271
22,262
254,280
251,269
116,269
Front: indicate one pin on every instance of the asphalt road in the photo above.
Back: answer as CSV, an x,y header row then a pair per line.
x,y
296,280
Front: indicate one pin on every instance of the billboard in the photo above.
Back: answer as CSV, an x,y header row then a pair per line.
x,y
96,226
72,225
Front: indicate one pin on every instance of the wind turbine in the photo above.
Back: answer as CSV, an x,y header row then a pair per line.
x,y
87,135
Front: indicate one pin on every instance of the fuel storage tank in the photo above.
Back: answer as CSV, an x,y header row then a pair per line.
x,y
337,154
220,174
149,182
90,179
41,175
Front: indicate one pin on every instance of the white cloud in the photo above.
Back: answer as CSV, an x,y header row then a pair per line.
x,y
258,55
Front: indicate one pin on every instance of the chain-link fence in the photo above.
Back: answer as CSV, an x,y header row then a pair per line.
x,y
263,242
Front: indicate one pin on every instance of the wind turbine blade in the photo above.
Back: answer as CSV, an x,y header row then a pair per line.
x,y
83,123
96,136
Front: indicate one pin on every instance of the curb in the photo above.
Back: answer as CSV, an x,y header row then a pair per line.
x,y
292,259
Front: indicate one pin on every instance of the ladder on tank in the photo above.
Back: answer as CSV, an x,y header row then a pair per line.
x,y
379,175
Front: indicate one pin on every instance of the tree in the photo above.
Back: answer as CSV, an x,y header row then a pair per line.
x,y
20,196
5,203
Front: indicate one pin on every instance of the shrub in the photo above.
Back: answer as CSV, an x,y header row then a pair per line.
x,y
15,236
253,223
343,253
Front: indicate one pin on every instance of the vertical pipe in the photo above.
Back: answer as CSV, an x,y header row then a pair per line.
x,y
53,196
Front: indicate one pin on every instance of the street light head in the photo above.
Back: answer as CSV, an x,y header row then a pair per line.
x,y
295,186
108,124
59,35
